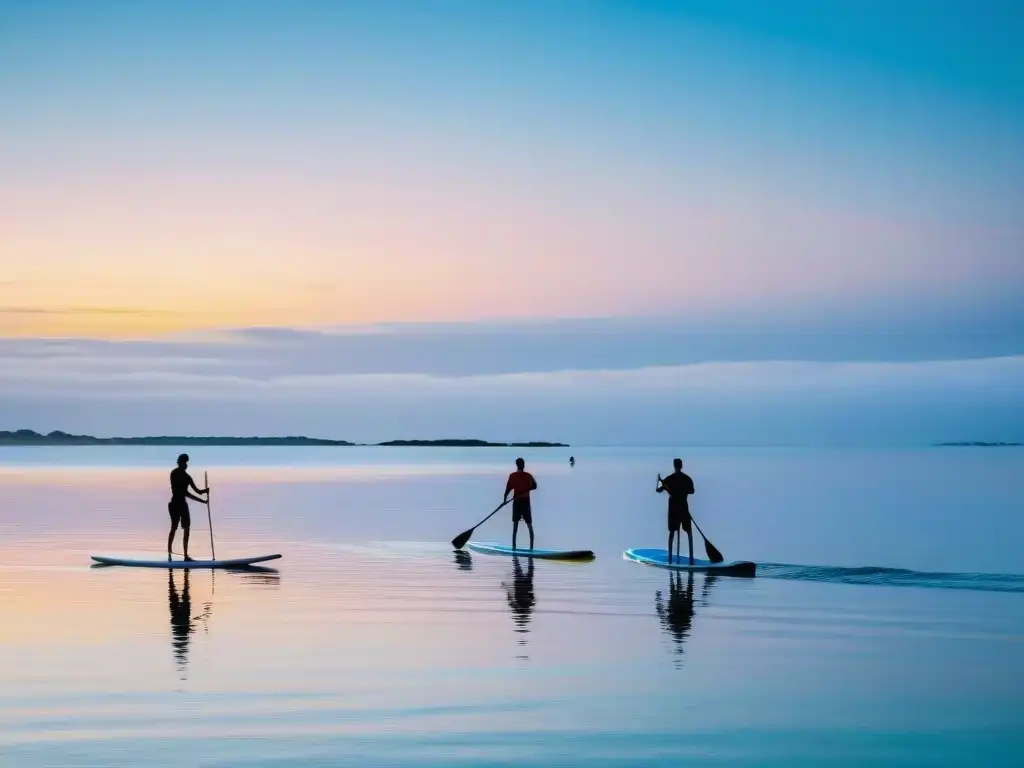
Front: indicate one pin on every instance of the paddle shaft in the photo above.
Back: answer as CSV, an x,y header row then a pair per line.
x,y
209,517
496,510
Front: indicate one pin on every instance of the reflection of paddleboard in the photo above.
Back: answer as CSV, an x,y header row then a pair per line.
x,y
547,554
659,558
238,562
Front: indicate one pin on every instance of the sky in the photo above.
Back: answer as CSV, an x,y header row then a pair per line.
x,y
785,222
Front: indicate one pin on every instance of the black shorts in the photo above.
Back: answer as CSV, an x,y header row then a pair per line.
x,y
179,513
521,511
679,518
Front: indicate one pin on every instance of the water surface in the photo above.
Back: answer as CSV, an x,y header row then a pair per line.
x,y
885,626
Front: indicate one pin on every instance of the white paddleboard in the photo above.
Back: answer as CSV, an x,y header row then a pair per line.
x,y
238,562
546,554
659,559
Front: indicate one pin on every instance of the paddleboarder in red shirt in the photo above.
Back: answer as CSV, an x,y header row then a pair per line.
x,y
519,484
679,485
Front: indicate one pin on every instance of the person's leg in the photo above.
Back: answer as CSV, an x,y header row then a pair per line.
x,y
671,536
186,527
689,536
515,530
172,510
528,517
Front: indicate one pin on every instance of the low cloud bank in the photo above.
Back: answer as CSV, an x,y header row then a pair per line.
x,y
132,389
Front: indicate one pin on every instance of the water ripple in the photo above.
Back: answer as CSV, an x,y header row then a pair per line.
x,y
895,577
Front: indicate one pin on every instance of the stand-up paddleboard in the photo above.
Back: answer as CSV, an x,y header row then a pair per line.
x,y
659,558
546,554
238,562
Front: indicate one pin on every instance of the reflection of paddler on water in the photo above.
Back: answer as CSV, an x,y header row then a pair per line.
x,y
179,604
181,618
521,599
677,611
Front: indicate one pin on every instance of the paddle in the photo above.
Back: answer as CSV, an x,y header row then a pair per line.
x,y
460,541
713,554
209,517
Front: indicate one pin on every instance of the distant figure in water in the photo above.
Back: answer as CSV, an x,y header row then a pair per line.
x,y
519,484
572,461
679,485
181,481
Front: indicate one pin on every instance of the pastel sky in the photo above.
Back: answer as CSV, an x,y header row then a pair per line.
x,y
830,183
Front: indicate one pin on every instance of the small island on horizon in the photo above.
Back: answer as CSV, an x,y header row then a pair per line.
x,y
978,445
30,437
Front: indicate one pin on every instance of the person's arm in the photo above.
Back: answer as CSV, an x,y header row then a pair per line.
x,y
533,483
661,485
508,489
195,498
192,484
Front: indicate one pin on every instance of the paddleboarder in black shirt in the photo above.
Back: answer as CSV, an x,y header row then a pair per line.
x,y
181,481
679,485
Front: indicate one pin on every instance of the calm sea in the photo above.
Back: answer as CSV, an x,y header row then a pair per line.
x,y
885,627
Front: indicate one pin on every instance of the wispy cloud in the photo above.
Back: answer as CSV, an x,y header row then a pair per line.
x,y
125,311
270,386
947,332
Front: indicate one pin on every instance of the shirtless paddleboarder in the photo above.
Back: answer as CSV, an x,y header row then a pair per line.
x,y
181,481
679,485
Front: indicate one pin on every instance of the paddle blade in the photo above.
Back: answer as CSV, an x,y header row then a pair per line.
x,y
713,554
460,541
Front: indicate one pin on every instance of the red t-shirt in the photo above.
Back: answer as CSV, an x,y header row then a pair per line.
x,y
520,483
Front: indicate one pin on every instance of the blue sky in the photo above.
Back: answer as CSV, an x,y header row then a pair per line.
x,y
518,188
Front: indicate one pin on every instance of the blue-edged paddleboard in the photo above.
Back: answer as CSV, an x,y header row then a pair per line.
x,y
659,558
238,562
547,554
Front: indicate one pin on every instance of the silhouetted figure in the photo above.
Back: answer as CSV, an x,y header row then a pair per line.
x,y
520,596
181,481
181,618
679,486
572,461
519,484
463,560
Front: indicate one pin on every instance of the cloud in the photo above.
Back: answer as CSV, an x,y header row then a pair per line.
x,y
133,388
881,333
889,376
11,310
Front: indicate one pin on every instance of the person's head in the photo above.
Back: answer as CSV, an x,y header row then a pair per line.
x,y
520,464
183,460
678,464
